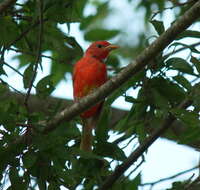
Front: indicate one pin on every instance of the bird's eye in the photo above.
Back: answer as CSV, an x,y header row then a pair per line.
x,y
99,45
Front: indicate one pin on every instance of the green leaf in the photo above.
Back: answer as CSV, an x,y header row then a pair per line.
x,y
69,11
141,132
2,71
158,25
191,47
183,81
85,155
169,90
15,179
191,122
111,150
28,75
133,184
180,64
131,99
29,159
45,87
102,12
188,117
6,30
42,184
102,127
24,59
189,34
196,63
130,83
53,186
103,34
3,89
113,61
160,101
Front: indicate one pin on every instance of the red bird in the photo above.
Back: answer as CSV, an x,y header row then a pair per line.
x,y
90,73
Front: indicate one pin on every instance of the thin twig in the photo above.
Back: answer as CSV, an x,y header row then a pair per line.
x,y
14,89
141,162
180,49
170,177
6,64
130,140
38,57
172,7
33,54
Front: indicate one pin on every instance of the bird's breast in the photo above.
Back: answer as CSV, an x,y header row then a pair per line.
x,y
89,74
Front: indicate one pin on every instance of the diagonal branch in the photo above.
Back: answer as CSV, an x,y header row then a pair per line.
x,y
142,148
6,4
141,61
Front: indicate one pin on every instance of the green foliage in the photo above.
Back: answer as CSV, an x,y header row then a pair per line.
x,y
102,34
180,64
45,86
7,30
28,76
49,160
69,11
196,63
192,123
158,25
189,34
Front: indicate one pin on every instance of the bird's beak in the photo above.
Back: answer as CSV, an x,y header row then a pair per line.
x,y
111,47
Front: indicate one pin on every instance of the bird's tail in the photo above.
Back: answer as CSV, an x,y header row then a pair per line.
x,y
87,138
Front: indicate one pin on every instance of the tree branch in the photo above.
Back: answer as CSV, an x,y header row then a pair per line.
x,y
6,4
170,177
48,105
142,148
141,61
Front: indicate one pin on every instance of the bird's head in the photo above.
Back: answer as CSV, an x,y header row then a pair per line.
x,y
100,49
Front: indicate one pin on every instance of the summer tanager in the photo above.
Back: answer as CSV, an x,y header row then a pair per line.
x,y
89,74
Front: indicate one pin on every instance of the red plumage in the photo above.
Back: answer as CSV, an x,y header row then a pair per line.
x,y
89,74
